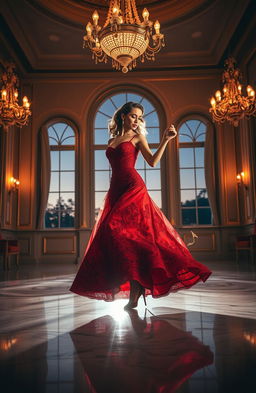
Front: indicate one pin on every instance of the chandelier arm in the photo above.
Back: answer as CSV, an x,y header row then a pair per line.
x,y
135,12
109,15
156,48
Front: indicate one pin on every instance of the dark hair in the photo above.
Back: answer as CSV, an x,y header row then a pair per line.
x,y
116,123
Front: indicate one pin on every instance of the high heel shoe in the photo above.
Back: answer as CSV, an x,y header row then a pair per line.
x,y
134,302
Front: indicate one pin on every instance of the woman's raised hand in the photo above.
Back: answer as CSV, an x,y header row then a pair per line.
x,y
170,133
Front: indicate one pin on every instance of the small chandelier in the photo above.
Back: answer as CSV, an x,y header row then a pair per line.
x,y
10,111
123,37
233,106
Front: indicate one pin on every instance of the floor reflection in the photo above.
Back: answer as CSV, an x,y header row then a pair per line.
x,y
138,355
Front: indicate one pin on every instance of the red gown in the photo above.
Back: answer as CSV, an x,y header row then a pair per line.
x,y
133,240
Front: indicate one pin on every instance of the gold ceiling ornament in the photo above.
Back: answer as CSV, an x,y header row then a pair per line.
x,y
124,38
232,106
11,113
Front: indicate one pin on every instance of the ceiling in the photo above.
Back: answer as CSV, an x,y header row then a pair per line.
x,y
46,35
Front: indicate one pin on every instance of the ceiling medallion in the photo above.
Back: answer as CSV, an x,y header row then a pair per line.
x,y
233,106
124,38
11,113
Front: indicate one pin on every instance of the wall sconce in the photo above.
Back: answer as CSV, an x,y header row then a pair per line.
x,y
240,180
13,184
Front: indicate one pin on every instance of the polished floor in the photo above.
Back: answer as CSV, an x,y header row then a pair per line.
x,y
201,340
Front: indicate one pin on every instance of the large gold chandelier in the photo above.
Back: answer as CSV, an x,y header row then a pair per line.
x,y
123,37
233,106
10,111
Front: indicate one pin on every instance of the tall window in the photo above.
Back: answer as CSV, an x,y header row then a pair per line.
x,y
195,208
60,210
102,169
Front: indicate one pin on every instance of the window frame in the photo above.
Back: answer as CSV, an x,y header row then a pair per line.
x,y
183,120
70,123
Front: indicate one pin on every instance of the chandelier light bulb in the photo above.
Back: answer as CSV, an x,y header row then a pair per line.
x,y
115,10
4,94
89,28
95,17
213,102
157,27
249,88
218,95
145,14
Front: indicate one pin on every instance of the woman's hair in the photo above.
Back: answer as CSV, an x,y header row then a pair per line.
x,y
115,125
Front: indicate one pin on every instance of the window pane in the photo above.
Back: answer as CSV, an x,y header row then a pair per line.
x,y
53,136
67,160
119,99
108,108
68,199
202,197
54,160
185,134
51,218
199,152
148,107
187,178
67,219
67,181
153,135
100,159
200,179
53,200
140,162
101,180
204,216
142,173
101,137
186,157
152,119
101,121
153,179
188,198
156,196
134,98
188,216
99,197
192,126
200,134
54,183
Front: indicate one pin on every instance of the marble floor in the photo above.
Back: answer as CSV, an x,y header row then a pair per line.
x,y
201,340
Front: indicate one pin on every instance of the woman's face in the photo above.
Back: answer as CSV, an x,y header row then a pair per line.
x,y
132,119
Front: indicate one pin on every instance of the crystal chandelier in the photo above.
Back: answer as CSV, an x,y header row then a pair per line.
x,y
233,106
10,111
123,37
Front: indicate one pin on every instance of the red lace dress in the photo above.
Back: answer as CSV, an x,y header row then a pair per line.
x,y
133,240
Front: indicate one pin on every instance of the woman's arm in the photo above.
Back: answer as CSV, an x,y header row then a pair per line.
x,y
153,159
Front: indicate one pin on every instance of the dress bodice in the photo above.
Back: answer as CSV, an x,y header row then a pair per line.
x,y
122,157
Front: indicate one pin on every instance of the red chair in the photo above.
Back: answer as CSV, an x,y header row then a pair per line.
x,y
248,243
9,247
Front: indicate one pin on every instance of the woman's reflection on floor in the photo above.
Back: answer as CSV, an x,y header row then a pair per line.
x,y
137,355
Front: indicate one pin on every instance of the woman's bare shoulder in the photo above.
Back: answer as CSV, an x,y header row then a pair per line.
x,y
110,140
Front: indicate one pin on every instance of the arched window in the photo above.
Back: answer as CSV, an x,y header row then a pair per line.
x,y
195,208
102,169
60,211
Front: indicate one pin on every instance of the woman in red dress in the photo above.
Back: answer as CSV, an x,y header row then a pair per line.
x,y
133,249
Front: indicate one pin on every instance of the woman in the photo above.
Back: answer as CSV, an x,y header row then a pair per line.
x,y
133,249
